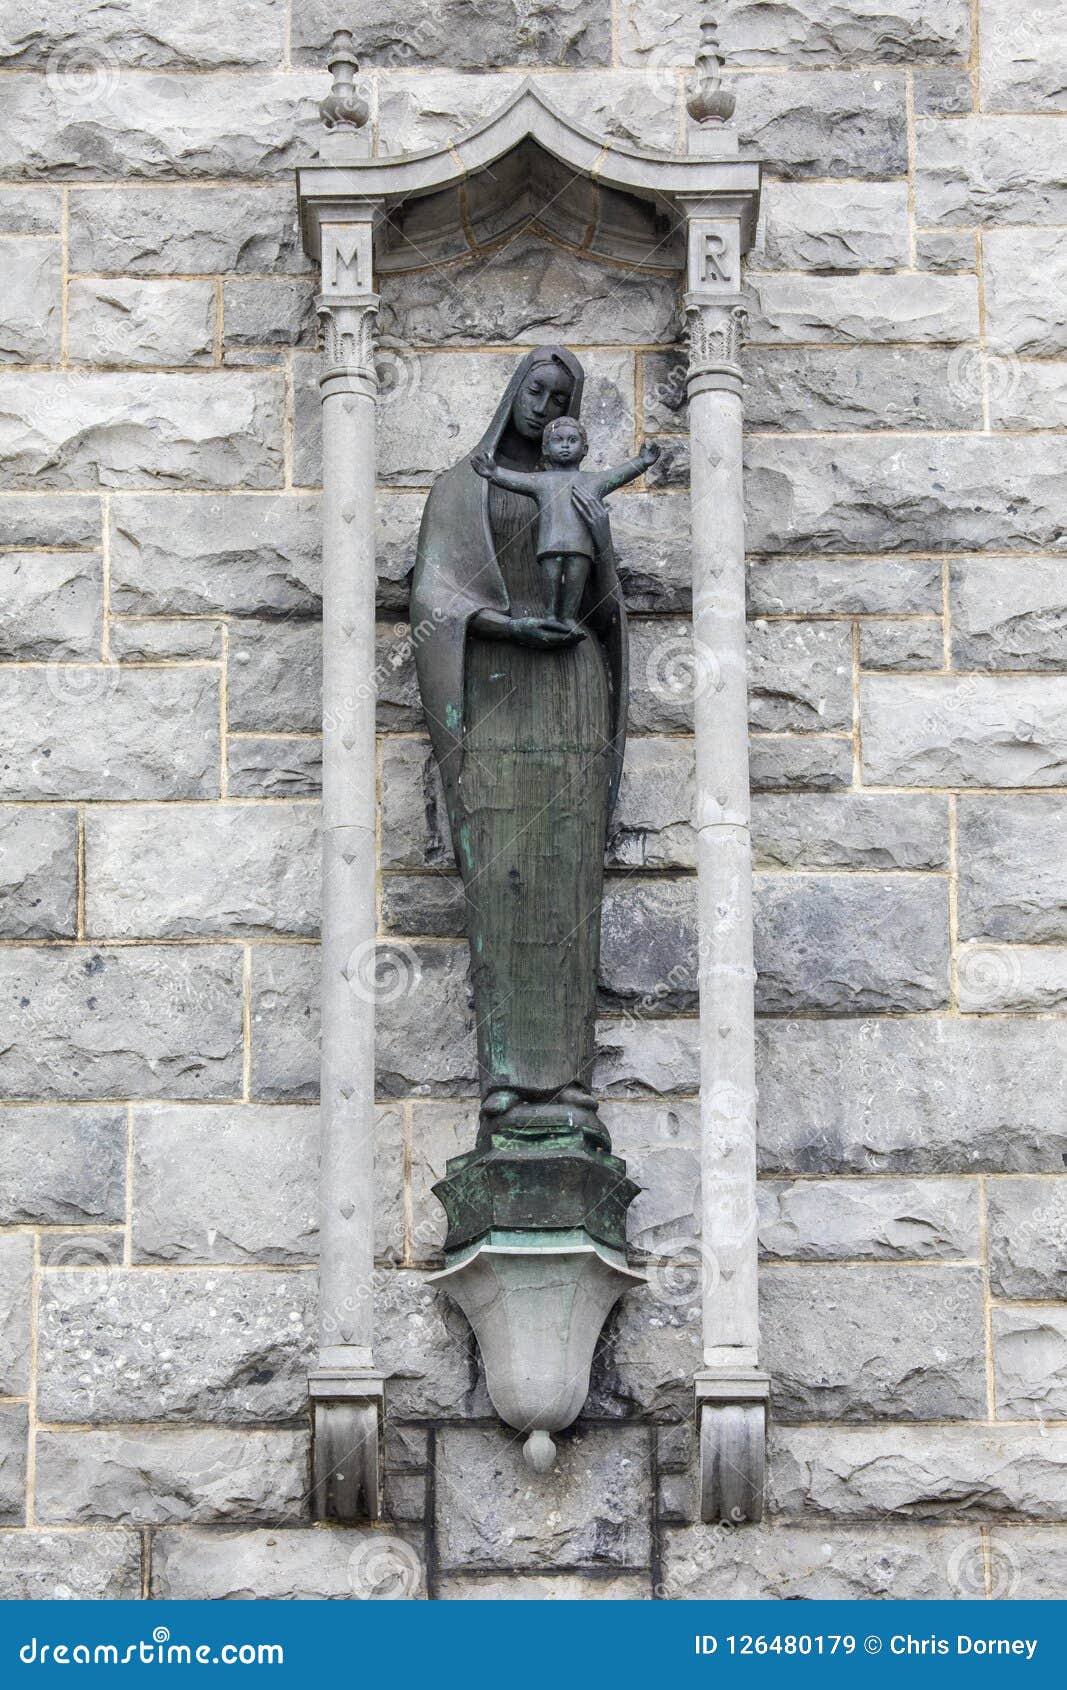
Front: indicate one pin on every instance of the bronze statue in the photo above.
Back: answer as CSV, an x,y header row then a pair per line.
x,y
527,721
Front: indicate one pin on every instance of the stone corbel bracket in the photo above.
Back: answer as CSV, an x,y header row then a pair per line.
x,y
361,215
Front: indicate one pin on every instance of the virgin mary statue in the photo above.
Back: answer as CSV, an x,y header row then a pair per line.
x,y
527,719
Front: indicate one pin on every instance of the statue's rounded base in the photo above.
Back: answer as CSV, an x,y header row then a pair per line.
x,y
537,1310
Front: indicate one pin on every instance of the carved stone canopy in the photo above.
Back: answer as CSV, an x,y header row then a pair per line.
x,y
530,163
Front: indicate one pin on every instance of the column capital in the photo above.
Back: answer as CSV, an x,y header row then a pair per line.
x,y
349,339
716,332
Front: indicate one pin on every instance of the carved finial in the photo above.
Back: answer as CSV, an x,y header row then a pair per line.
x,y
342,104
708,100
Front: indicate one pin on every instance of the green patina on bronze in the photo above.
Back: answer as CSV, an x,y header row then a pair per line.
x,y
527,722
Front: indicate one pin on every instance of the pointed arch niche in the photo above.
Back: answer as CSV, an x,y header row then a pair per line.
x,y
369,221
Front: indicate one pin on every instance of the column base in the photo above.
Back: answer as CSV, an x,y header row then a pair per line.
x,y
347,1424
732,1410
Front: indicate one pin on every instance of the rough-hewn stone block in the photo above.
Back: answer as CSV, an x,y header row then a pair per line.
x,y
1027,396
31,327
799,676
906,645
38,873
816,1220
847,309
164,126
648,944
424,1023
641,110
1029,1566
30,211
62,1566
873,1343
163,640
193,1200
158,1476
43,519
240,554
1009,613
128,321
12,1465
652,823
809,32
96,429
973,731
150,1344
274,677
16,1275
832,125
62,1166
919,1472
53,605
274,766
853,830
108,732
799,1564
1022,58
343,1565
827,226
942,93
530,291
850,388
1027,1236
147,1021
79,36
1025,273
424,1347
267,313
1011,977
186,231
639,1057
849,945
794,762
953,493
948,251
574,32
988,170
591,1510
190,871
1030,1353
934,1096
1013,869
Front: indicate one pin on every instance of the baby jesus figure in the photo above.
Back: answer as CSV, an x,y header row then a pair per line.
x,y
565,547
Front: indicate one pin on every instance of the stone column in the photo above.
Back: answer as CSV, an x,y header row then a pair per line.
x,y
346,1391
731,1392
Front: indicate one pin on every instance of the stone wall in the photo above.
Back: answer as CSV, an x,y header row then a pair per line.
x,y
158,872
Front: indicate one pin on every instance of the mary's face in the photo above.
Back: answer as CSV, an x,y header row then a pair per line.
x,y
544,395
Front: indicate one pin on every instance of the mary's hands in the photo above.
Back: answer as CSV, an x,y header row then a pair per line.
x,y
483,464
544,633
594,513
